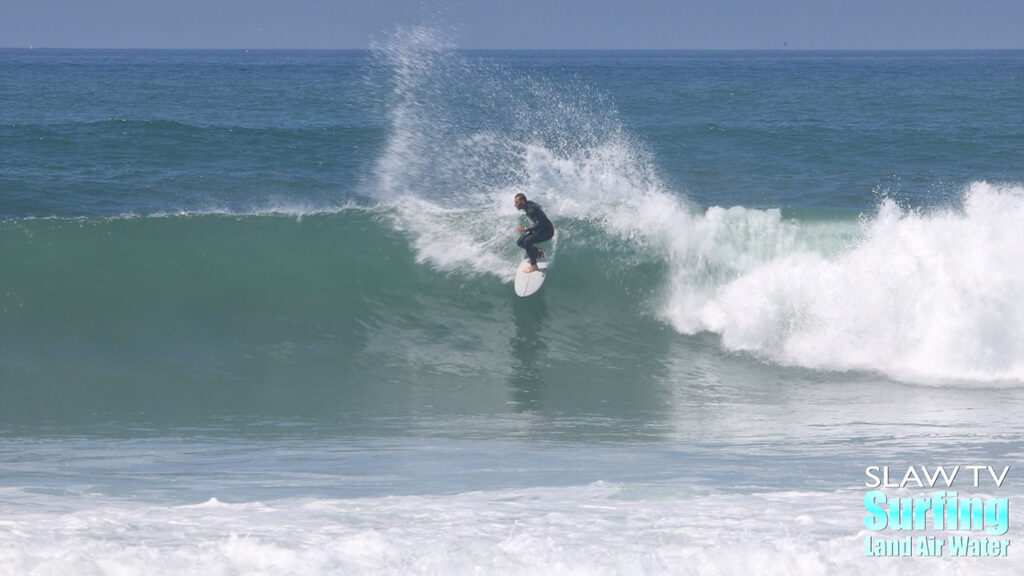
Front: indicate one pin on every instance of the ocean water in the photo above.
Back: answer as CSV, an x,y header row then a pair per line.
x,y
256,313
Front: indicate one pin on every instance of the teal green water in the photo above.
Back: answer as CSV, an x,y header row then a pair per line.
x,y
205,314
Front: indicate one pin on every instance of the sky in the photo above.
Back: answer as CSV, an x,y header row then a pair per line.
x,y
518,24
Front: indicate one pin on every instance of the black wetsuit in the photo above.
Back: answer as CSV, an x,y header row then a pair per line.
x,y
541,231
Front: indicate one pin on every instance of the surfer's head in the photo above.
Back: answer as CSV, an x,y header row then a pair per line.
x,y
520,201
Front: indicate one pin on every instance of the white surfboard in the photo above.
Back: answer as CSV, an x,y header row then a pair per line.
x,y
529,282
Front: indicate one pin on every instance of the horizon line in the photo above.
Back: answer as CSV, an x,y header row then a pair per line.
x,y
366,49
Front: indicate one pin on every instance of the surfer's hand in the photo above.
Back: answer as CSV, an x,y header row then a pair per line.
x,y
521,228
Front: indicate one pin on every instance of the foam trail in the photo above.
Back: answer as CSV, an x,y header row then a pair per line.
x,y
455,159
457,154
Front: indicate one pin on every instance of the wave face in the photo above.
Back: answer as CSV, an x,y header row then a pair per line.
x,y
425,223
184,302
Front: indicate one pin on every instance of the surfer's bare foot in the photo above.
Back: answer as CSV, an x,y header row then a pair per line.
x,y
531,268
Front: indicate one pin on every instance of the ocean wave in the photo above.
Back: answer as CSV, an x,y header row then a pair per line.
x,y
924,296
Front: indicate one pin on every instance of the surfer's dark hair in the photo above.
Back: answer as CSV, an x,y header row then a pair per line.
x,y
520,195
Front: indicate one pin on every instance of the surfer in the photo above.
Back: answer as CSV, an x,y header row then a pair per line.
x,y
542,230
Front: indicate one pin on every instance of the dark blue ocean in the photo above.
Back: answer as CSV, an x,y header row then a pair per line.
x,y
256,312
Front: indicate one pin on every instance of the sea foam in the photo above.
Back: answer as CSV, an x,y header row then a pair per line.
x,y
599,528
925,296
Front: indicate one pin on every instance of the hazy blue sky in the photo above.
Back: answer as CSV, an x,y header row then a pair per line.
x,y
572,24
